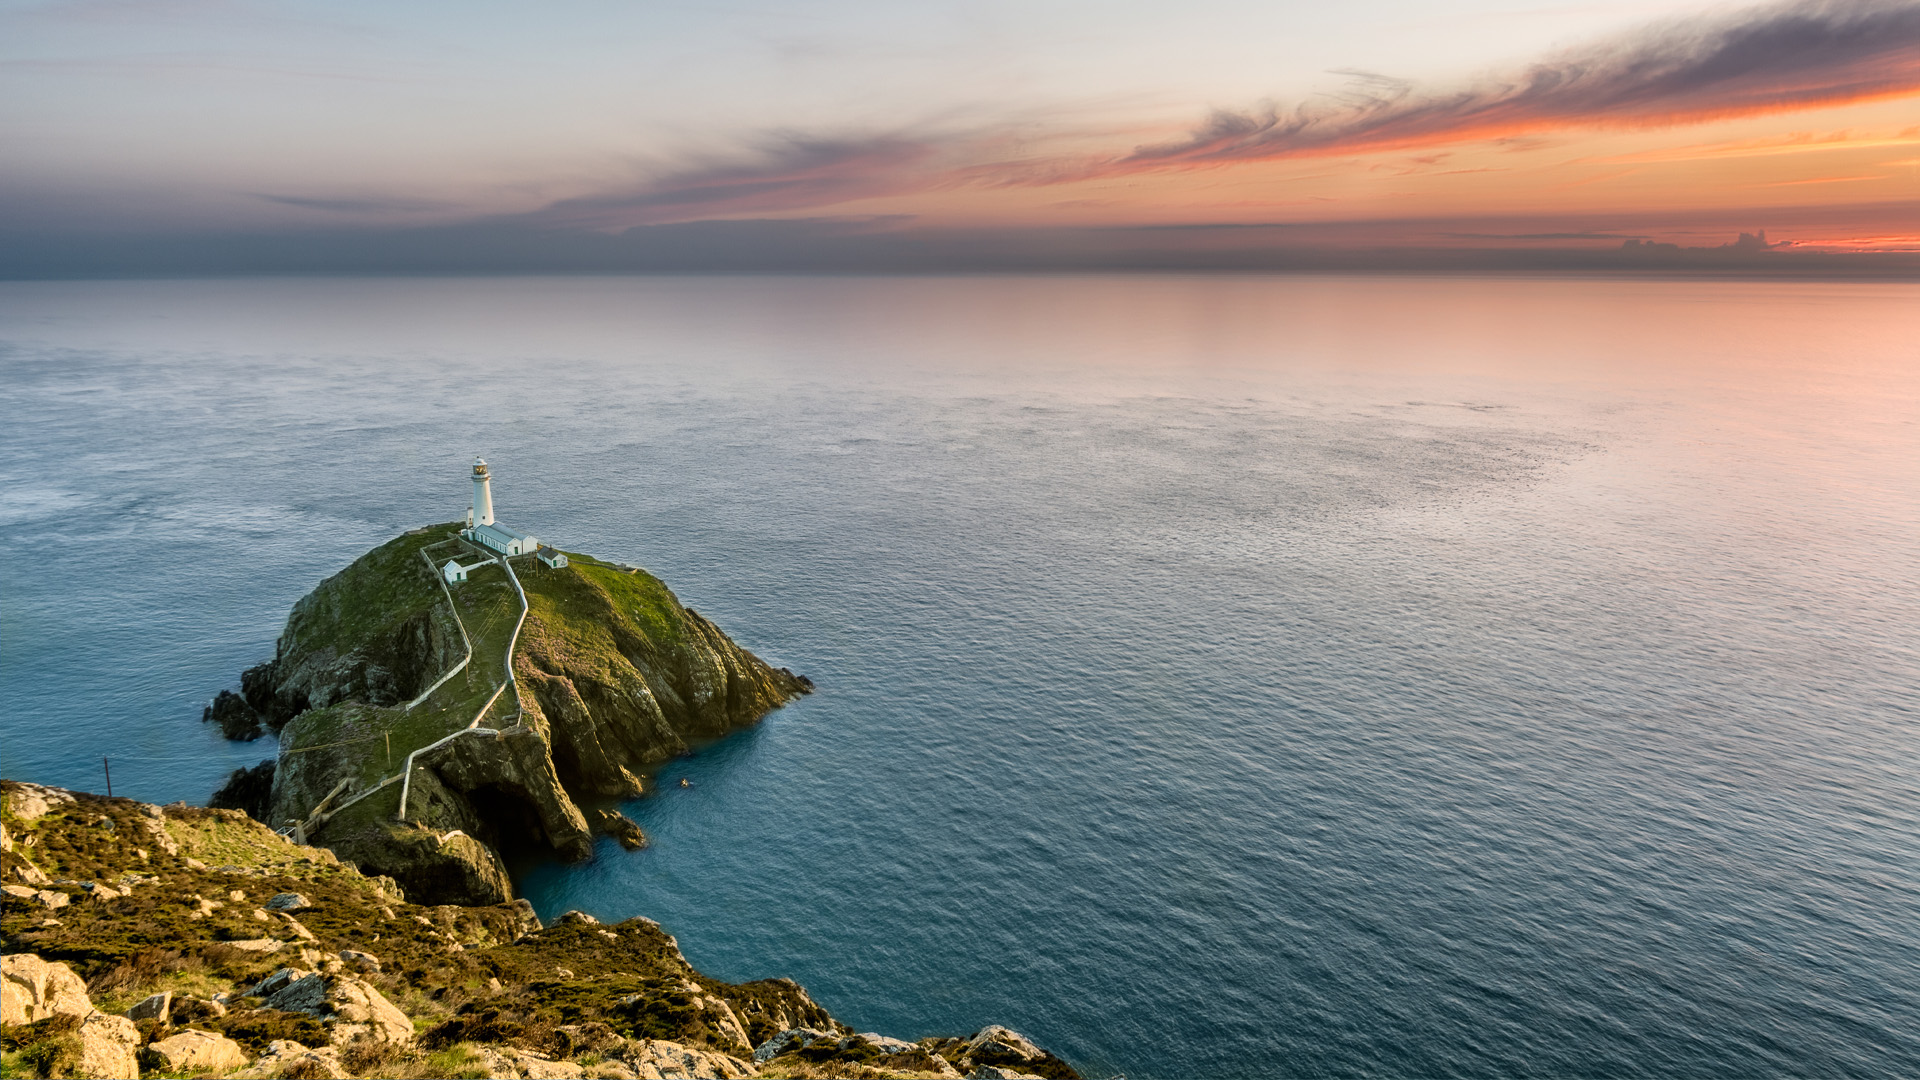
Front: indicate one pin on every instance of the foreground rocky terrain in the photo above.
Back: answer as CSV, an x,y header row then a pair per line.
x,y
182,941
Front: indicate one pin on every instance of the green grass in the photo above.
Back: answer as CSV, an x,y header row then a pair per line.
x,y
373,596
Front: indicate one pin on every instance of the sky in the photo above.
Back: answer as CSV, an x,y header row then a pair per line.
x,y
156,136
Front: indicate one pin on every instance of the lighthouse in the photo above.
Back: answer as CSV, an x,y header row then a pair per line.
x,y
482,529
482,493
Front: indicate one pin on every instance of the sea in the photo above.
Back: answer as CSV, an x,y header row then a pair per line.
x,y
1219,676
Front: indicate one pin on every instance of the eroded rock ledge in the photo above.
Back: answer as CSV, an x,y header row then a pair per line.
x,y
146,940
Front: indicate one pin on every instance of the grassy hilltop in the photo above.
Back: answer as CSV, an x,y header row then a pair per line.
x,y
611,676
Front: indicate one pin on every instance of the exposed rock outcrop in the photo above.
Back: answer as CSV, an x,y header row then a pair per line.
x,y
351,1007
613,677
35,990
195,1051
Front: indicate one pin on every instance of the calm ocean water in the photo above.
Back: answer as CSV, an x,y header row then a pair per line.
x,y
1219,676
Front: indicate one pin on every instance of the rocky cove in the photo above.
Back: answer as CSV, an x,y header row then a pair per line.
x,y
343,909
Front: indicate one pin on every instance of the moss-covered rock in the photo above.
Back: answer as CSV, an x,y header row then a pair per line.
x,y
480,985
383,663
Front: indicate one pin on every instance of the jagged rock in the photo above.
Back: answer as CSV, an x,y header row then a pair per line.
x,y
29,873
288,901
194,1051
46,898
107,1045
998,1045
351,1006
284,1057
259,945
787,1041
236,718
996,1072
191,1010
512,1063
429,866
887,1045
276,982
363,961
299,930
153,1007
619,826
578,917
31,802
655,1059
36,989
103,893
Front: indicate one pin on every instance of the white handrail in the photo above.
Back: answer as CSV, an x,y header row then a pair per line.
x,y
406,785
464,639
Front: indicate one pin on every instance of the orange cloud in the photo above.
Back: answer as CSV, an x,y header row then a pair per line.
x,y
1796,56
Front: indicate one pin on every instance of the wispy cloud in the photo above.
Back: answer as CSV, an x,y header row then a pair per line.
x,y
1762,60
375,205
784,172
1773,59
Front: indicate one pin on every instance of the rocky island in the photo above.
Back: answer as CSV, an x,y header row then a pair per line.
x,y
505,711
344,910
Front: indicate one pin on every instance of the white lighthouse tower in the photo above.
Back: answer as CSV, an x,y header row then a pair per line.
x,y
483,530
482,493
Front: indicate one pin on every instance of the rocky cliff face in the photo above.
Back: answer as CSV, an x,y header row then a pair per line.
x,y
613,676
180,941
376,632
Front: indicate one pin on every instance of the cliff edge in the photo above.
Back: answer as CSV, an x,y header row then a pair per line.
x,y
429,721
182,941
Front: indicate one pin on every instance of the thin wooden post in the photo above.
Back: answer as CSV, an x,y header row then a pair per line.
x,y
389,749
109,771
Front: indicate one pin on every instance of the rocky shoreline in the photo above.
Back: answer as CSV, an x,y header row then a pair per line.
x,y
343,909
185,941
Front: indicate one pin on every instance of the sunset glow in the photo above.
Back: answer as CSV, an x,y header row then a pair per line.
x,y
1562,128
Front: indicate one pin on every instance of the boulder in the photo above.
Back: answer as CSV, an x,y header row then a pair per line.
x,y
153,1007
236,718
30,874
887,1045
193,1010
512,1063
619,826
195,1051
276,982
31,802
46,898
33,989
107,1045
288,901
997,1072
998,1045
263,945
284,1057
656,1059
299,930
366,962
787,1041
351,1006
